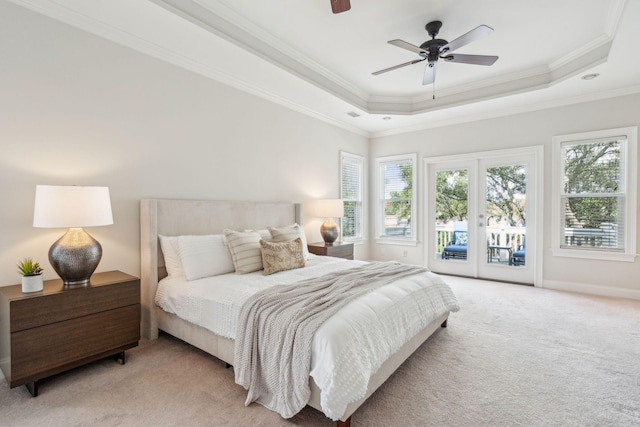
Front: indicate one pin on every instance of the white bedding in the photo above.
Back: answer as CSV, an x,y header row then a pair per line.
x,y
349,347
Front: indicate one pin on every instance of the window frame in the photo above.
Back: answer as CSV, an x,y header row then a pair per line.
x,y
628,168
361,160
411,240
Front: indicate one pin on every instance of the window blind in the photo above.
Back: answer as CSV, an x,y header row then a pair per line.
x,y
593,194
352,192
396,198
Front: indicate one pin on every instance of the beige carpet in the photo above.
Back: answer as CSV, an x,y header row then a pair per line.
x,y
513,356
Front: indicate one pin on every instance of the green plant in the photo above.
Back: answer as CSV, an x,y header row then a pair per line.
x,y
28,267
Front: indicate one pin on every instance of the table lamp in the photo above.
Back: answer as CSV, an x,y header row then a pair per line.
x,y
76,254
329,209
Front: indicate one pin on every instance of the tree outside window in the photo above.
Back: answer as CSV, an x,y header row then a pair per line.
x,y
506,186
594,195
397,197
452,201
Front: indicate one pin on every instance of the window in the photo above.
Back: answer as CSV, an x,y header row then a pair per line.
x,y
352,179
595,194
396,198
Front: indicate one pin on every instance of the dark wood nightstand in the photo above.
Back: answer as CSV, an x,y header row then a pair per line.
x,y
338,250
59,328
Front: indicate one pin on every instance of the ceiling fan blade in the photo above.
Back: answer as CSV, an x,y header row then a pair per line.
x,y
470,59
465,39
338,6
429,73
395,67
403,44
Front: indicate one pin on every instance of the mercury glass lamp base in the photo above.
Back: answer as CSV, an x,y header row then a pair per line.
x,y
75,256
329,231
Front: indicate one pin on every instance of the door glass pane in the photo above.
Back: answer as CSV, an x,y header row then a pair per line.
x,y
505,215
452,214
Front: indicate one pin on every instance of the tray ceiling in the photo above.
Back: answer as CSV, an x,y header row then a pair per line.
x,y
299,54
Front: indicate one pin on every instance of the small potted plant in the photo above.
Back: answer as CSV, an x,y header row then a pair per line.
x,y
31,275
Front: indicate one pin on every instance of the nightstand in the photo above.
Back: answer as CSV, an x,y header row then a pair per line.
x,y
338,250
59,328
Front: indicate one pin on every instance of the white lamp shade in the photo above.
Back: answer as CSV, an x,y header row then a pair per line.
x,y
71,206
327,208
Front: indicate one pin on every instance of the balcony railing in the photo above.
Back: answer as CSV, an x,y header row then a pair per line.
x,y
512,237
604,237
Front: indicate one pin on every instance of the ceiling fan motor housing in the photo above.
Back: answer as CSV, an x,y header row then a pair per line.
x,y
432,47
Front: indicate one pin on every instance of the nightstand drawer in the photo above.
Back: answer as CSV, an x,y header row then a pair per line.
x,y
42,351
57,307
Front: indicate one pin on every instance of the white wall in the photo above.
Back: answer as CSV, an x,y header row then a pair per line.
x,y
79,110
523,130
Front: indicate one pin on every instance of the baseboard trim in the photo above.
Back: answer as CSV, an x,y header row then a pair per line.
x,y
592,289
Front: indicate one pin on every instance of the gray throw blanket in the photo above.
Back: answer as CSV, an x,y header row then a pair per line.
x,y
276,327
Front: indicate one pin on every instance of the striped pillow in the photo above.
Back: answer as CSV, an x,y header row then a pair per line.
x,y
245,250
285,234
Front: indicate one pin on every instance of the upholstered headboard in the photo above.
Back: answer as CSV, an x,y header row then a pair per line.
x,y
180,217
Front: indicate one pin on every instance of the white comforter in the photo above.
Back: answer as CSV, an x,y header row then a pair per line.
x,y
349,347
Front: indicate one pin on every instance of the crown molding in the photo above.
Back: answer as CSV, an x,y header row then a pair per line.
x,y
511,111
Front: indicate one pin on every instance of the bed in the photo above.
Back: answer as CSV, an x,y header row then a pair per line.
x,y
202,217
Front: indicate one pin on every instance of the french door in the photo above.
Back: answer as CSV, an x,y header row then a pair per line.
x,y
482,212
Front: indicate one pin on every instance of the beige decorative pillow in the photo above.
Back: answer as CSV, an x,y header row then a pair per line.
x,y
245,250
281,256
284,234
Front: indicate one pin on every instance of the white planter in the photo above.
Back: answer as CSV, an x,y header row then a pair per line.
x,y
32,283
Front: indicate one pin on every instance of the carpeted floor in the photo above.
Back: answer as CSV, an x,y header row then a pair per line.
x,y
513,356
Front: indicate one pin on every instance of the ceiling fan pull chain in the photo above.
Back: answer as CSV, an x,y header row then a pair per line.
x,y
433,87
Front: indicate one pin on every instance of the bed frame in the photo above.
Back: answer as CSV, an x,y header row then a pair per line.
x,y
179,217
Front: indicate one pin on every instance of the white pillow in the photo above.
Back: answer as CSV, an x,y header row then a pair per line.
x,y
264,234
245,250
170,251
204,256
284,234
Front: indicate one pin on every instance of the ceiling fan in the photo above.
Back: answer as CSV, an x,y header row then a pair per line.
x,y
435,49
